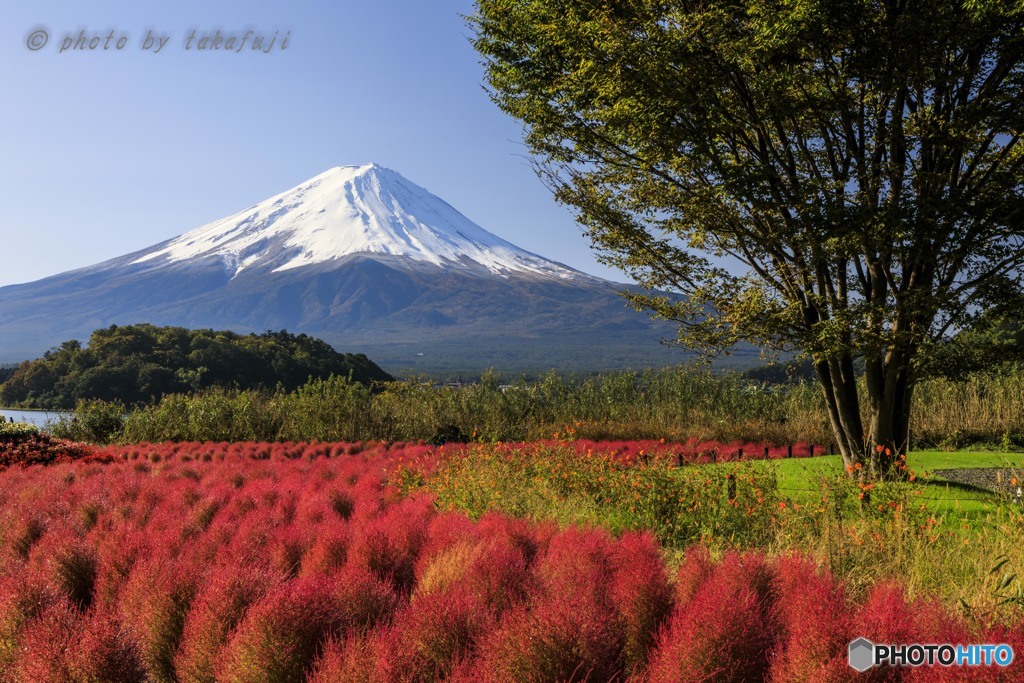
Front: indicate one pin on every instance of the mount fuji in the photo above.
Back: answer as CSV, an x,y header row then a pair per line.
x,y
368,261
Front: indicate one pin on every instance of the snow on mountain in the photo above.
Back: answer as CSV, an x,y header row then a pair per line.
x,y
350,210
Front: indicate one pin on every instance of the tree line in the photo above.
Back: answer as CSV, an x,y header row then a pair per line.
x,y
137,364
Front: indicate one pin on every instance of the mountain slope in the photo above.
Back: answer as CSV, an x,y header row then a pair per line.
x,y
365,259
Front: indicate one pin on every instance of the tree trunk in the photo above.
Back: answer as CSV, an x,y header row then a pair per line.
x,y
889,429
840,391
880,451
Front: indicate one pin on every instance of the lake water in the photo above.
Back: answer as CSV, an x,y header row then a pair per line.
x,y
40,418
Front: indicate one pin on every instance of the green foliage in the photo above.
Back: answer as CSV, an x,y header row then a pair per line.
x,y
993,342
17,431
93,421
802,139
673,403
140,363
681,506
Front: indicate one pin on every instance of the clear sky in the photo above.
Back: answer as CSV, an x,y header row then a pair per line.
x,y
108,151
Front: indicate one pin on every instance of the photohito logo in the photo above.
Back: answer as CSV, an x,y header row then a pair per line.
x,y
863,654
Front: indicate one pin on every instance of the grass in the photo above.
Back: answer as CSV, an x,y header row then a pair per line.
x,y
800,479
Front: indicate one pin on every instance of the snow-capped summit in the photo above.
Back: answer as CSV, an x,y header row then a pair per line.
x,y
350,210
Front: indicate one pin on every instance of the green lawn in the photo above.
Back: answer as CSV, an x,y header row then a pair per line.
x,y
800,478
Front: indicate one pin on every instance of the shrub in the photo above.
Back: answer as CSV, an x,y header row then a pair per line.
x,y
45,652
119,549
557,640
26,445
389,545
328,552
282,634
693,571
30,529
62,645
887,616
725,632
21,600
500,575
445,568
431,636
154,602
366,599
93,421
343,504
218,608
641,595
288,548
106,652
353,660
570,631
75,567
815,624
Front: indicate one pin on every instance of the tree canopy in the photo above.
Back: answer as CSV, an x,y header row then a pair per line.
x,y
859,162
140,363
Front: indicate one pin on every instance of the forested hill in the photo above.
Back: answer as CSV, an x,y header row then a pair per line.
x,y
140,363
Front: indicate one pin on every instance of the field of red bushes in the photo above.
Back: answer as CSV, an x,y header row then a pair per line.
x,y
287,562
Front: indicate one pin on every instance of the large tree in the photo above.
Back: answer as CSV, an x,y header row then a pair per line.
x,y
861,160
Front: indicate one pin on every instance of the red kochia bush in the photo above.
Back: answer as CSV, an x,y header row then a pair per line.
x,y
154,602
218,608
499,575
693,571
282,634
815,620
22,599
353,660
64,645
887,616
431,637
118,550
725,632
389,545
68,563
640,593
46,644
329,551
366,599
570,631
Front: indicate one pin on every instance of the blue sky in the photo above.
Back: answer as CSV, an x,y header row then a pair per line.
x,y
109,151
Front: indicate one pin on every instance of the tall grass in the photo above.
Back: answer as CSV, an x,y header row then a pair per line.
x,y
675,404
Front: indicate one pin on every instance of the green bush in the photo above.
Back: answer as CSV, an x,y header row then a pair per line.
x,y
16,431
680,505
92,421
